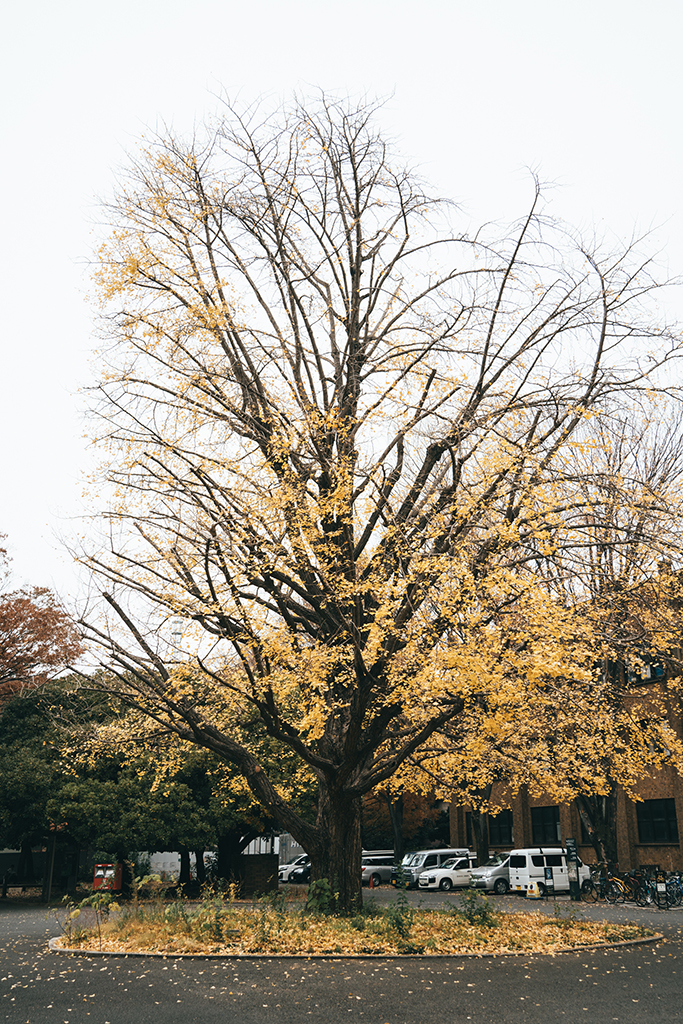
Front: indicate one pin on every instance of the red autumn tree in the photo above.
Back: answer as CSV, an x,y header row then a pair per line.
x,y
37,637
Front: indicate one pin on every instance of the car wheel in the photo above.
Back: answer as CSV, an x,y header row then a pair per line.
x,y
376,880
445,884
541,889
500,886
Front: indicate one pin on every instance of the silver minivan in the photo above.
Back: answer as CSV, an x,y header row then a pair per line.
x,y
376,868
494,876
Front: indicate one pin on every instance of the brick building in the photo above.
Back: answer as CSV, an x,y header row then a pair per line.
x,y
648,831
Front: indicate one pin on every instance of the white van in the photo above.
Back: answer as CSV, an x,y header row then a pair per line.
x,y
530,865
414,863
453,873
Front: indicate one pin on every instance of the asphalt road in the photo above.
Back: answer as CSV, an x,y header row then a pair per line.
x,y
628,984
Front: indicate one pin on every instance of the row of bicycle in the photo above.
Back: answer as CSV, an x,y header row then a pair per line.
x,y
664,890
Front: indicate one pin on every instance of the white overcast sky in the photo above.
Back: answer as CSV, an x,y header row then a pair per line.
x,y
587,93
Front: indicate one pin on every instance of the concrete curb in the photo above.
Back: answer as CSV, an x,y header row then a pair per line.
x,y
60,950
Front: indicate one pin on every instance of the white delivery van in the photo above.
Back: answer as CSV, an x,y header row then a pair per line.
x,y
530,865
414,863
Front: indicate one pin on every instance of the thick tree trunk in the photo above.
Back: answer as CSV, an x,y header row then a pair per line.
x,y
599,816
337,856
334,843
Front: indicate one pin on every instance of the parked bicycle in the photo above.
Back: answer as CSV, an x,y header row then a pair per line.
x,y
674,887
603,887
655,892
664,891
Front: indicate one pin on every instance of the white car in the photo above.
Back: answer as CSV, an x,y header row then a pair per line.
x,y
453,873
285,870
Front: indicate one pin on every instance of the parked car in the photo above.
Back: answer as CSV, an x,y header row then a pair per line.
x,y
301,875
299,871
530,865
493,876
453,873
285,870
378,868
413,864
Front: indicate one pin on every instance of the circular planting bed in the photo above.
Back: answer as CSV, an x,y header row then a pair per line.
x,y
273,927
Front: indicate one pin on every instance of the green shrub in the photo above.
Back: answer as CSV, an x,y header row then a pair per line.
x,y
320,898
176,913
400,915
477,910
211,919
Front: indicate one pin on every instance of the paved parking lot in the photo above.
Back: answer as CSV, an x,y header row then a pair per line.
x,y
628,984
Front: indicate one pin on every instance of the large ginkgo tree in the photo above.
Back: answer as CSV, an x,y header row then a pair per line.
x,y
335,435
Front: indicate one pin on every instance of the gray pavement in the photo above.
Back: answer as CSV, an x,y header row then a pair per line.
x,y
627,984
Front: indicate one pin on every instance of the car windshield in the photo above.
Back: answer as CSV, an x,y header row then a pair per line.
x,y
408,859
494,861
451,862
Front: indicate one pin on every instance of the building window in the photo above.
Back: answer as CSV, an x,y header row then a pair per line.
x,y
645,670
545,825
500,829
657,821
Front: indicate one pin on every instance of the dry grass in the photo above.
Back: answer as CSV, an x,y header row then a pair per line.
x,y
272,927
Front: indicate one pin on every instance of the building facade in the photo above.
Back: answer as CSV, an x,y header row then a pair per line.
x,y
649,830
